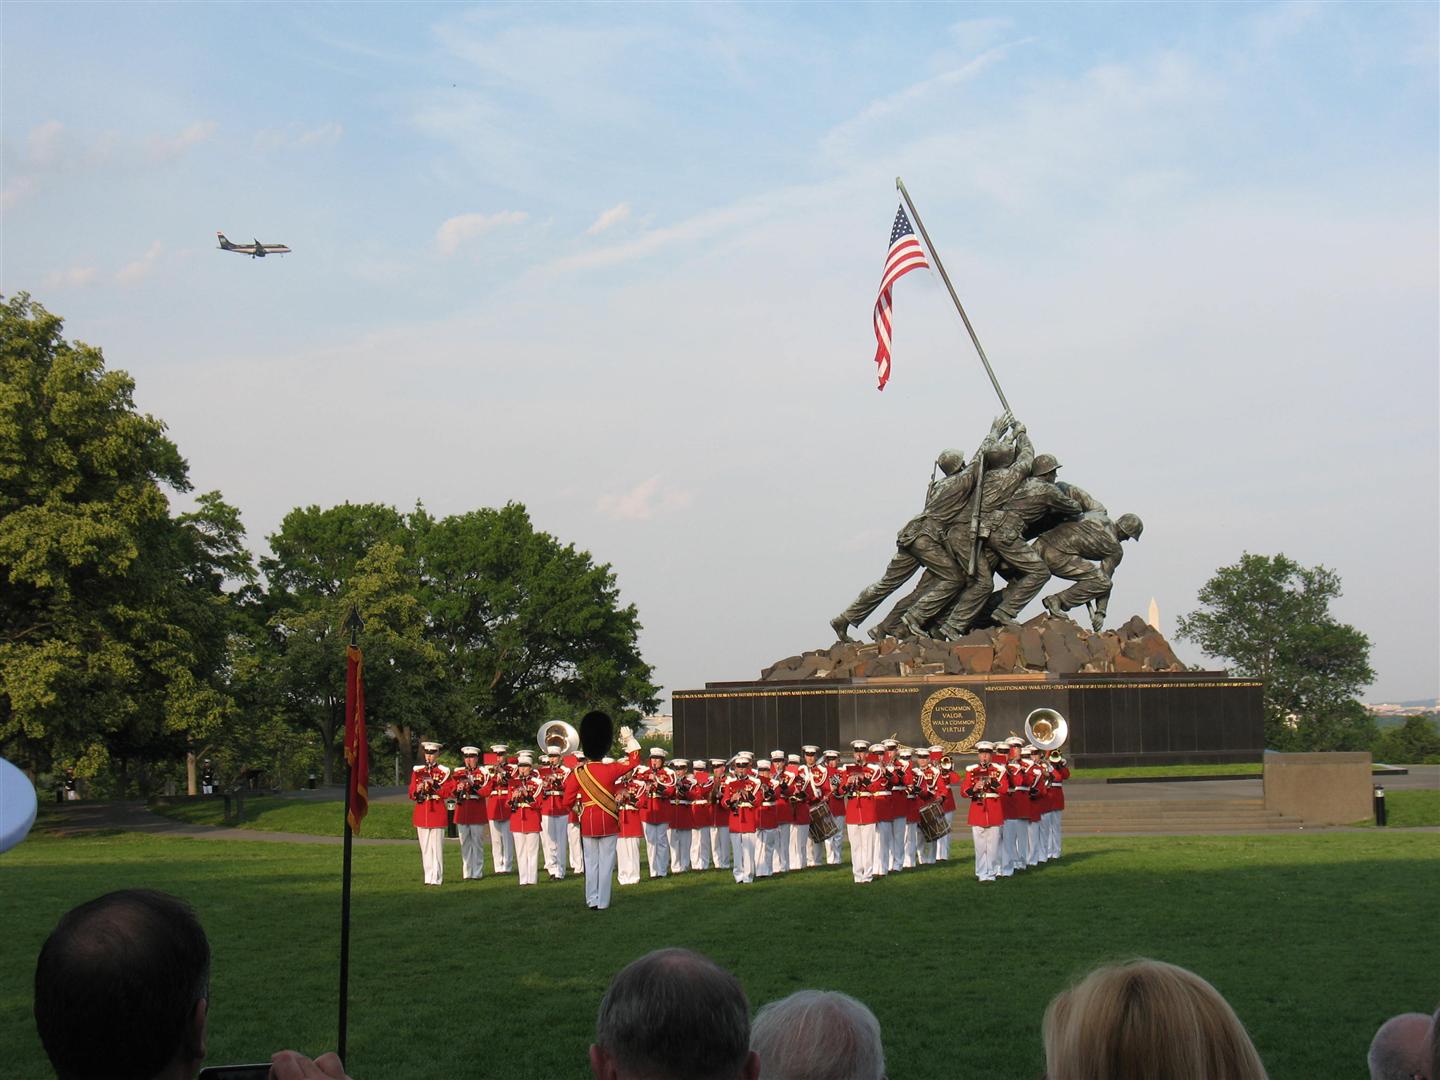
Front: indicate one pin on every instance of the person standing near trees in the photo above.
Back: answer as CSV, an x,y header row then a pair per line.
x,y
426,783
595,784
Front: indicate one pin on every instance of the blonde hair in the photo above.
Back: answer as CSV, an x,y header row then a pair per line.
x,y
1146,1020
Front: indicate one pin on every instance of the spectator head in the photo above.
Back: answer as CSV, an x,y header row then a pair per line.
x,y
122,989
818,1035
1401,1048
1146,1018
673,1015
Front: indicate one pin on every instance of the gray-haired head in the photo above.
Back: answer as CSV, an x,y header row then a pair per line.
x,y
1400,1048
675,1015
818,1035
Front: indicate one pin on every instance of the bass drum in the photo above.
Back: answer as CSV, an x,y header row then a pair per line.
x,y
822,823
932,822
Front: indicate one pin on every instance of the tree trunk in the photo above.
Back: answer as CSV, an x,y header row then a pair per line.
x,y
402,735
191,786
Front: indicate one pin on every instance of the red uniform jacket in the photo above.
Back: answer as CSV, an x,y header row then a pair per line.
x,y
948,779
834,774
1037,803
1058,775
497,803
700,813
986,806
768,816
553,804
594,819
628,800
469,794
739,798
655,806
1017,790
680,817
525,795
426,789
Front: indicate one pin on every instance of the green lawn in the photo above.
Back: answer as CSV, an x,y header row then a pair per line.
x,y
1159,772
1314,939
272,813
1412,806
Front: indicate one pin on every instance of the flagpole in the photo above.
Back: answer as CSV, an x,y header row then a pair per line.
x,y
354,625
953,296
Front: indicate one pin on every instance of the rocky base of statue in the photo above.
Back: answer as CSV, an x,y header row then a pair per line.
x,y
1044,644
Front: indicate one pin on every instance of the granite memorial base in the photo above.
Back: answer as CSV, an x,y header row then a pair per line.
x,y
1139,718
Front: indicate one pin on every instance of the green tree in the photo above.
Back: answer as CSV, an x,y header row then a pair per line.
x,y
114,625
530,628
1270,617
1414,742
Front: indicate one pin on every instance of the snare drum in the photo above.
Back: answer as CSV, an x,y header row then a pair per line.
x,y
822,823
932,822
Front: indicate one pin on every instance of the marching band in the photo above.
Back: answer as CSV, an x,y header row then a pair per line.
x,y
894,805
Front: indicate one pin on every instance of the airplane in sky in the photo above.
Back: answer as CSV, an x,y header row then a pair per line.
x,y
257,250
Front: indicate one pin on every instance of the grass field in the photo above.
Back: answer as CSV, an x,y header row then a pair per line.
x,y
1314,939
1159,772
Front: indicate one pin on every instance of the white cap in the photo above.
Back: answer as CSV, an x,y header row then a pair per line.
x,y
524,758
556,750
1014,740
985,744
716,762
430,747
809,749
579,755
499,748
832,753
607,761
656,751
681,763
859,744
922,752
793,759
468,750
777,755
889,743
937,749
877,748
763,764
744,759
905,753
1029,748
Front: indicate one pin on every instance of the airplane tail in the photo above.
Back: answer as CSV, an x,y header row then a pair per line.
x,y
224,244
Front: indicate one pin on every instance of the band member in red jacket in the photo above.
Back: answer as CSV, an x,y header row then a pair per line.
x,y
497,809
1017,795
907,823
925,782
701,817
468,786
594,784
949,780
835,846
861,810
554,814
890,810
655,812
627,847
527,791
985,785
430,817
1035,805
1059,772
719,819
739,800
680,823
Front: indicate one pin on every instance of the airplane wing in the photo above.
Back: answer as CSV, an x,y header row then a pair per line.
x,y
241,249
276,249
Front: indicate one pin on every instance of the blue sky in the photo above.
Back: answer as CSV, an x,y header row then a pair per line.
x,y
617,262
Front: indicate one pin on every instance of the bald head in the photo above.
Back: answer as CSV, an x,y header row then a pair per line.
x,y
1401,1048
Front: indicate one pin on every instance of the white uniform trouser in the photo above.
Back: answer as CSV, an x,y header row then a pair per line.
x,y
987,850
1010,859
720,845
925,854
835,846
679,850
657,848
799,841
700,847
627,860
577,849
502,847
527,856
205,789
780,848
472,851
553,842
942,846
897,844
764,852
1032,843
909,856
599,869
862,852
431,841
880,850
742,856
1054,817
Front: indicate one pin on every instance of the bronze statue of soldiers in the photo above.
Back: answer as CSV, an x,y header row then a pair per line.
x,y
1066,550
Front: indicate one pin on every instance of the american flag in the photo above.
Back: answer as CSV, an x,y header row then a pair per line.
x,y
906,254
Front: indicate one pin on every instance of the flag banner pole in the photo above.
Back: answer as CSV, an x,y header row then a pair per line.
x,y
356,780
345,929
953,295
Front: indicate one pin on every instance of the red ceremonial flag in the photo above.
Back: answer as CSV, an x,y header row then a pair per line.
x,y
357,750
905,255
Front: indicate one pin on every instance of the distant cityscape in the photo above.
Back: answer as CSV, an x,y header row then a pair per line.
x,y
1419,707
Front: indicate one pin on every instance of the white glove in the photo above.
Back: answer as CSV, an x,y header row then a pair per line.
x,y
627,740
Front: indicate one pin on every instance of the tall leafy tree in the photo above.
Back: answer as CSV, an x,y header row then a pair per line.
x,y
1270,617
114,622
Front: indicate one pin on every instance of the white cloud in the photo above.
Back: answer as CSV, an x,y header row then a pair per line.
x,y
643,501
455,231
16,190
135,271
296,137
75,277
169,147
42,145
613,216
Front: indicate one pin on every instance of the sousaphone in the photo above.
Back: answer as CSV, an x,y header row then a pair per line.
x,y
556,736
1047,729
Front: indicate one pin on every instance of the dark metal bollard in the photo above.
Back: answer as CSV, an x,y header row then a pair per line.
x,y
450,830
1379,805
227,808
312,779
